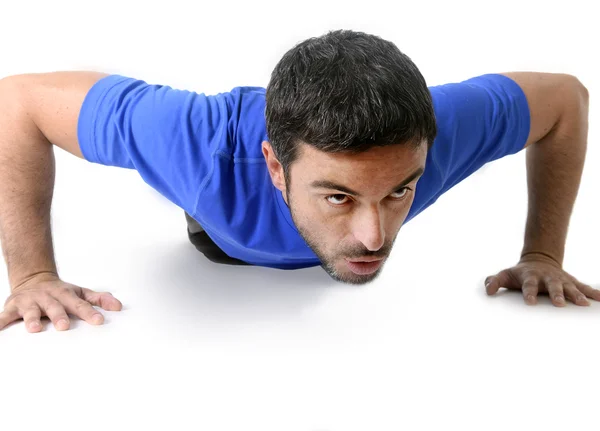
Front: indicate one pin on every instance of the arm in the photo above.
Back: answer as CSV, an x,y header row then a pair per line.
x,y
36,111
556,149
169,136
555,156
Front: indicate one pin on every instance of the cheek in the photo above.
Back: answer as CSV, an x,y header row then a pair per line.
x,y
326,228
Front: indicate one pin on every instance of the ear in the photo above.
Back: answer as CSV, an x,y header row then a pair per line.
x,y
275,168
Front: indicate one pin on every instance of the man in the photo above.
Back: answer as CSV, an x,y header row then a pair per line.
x,y
345,145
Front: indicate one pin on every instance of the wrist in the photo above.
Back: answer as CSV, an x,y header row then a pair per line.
x,y
33,278
540,255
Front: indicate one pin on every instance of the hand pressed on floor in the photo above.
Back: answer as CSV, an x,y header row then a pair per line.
x,y
533,275
52,297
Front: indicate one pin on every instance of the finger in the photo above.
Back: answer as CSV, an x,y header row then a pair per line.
x,y
55,312
530,290
494,282
104,300
588,291
32,316
83,310
555,290
74,305
8,316
574,294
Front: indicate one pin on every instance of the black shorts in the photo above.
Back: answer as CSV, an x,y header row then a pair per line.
x,y
203,243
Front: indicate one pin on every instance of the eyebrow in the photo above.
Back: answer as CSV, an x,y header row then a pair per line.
x,y
325,184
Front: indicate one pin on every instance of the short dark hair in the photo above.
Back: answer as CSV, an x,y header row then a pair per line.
x,y
346,91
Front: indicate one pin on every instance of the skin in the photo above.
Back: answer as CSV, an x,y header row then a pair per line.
x,y
337,225
38,111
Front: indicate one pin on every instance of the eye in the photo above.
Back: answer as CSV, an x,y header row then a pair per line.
x,y
406,189
403,192
336,196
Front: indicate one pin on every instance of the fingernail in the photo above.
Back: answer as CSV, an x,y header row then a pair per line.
x,y
530,299
34,325
62,322
97,318
560,299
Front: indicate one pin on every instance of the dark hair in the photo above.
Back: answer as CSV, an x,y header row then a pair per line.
x,y
346,91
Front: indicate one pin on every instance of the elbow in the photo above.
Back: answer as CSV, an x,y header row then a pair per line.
x,y
574,117
11,91
577,88
574,97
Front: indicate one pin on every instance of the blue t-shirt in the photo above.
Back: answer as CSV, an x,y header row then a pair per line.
x,y
203,153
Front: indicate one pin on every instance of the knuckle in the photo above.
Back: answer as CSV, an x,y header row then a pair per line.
x,y
11,300
61,291
531,277
573,293
57,307
81,306
45,301
527,273
54,311
18,299
31,308
555,285
530,290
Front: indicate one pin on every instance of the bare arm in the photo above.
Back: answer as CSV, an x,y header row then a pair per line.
x,y
556,150
36,111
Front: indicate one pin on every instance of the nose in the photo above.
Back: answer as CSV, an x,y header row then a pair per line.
x,y
369,230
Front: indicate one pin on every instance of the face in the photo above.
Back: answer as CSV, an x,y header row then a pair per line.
x,y
350,206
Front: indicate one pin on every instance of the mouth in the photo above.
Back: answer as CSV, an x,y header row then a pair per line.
x,y
364,266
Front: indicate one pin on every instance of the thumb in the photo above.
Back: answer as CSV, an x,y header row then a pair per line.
x,y
494,282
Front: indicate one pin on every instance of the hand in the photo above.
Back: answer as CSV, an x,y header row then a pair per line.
x,y
47,295
534,274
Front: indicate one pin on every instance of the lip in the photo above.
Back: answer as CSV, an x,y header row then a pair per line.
x,y
367,259
364,267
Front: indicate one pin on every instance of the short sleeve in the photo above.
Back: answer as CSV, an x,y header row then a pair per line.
x,y
169,136
480,120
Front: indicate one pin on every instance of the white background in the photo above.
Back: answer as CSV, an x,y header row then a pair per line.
x,y
212,347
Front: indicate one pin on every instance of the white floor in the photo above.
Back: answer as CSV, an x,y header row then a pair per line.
x,y
211,347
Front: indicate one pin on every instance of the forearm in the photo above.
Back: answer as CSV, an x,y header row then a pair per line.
x,y
27,172
554,168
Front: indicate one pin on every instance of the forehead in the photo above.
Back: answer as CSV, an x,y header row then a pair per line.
x,y
391,160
